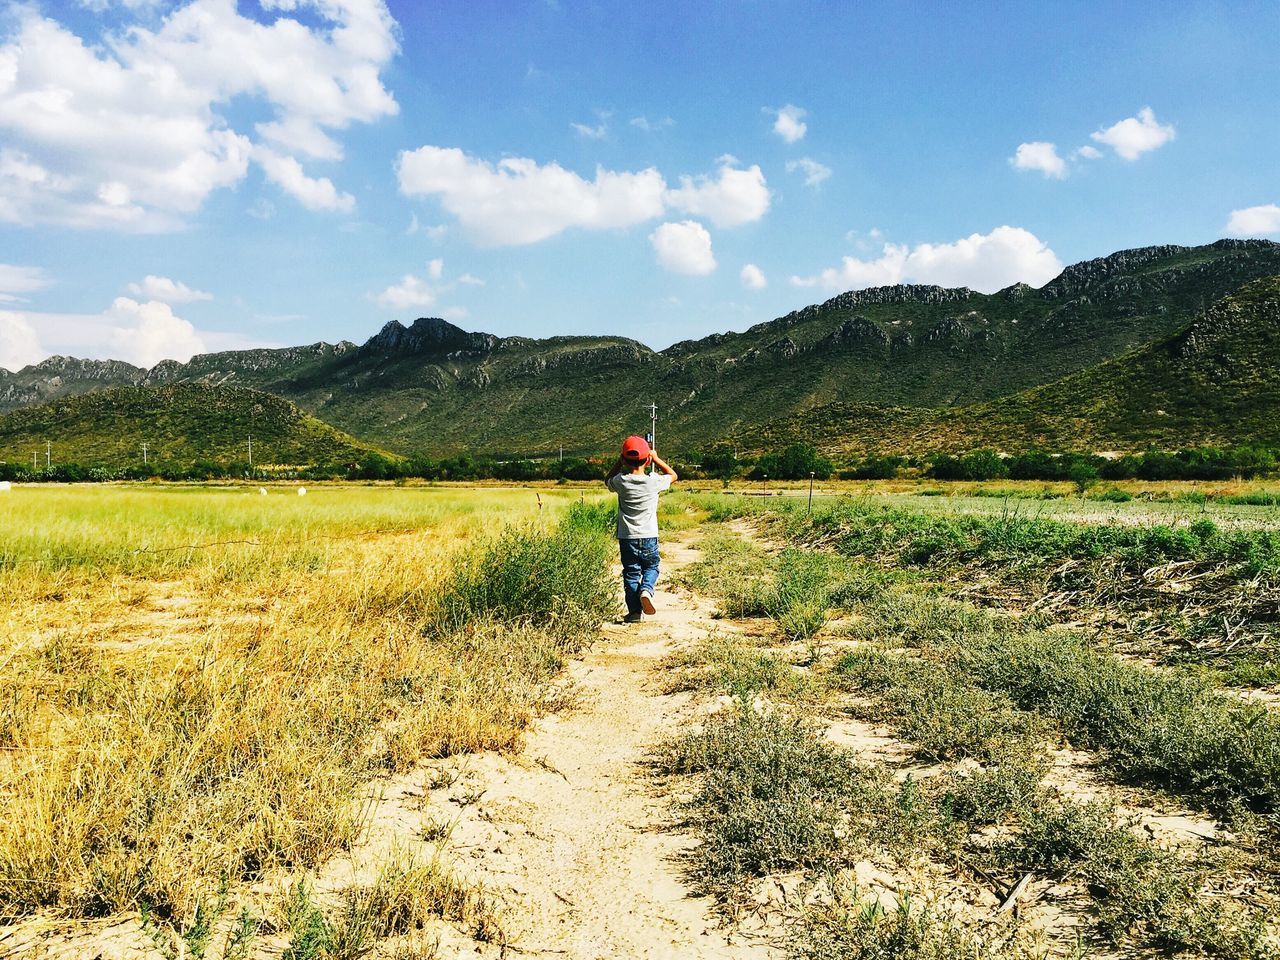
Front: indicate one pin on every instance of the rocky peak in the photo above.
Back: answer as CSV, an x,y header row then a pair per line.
x,y
428,335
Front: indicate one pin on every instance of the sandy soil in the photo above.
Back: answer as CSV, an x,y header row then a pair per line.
x,y
569,836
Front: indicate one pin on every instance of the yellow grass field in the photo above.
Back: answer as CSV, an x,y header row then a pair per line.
x,y
195,682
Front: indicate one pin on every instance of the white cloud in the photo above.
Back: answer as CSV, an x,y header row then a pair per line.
x,y
455,313
1134,136
588,132
982,262
789,124
1260,221
814,172
753,277
15,280
651,126
411,291
129,130
19,345
142,333
517,201
167,291
1086,153
146,333
737,196
683,247
415,291
314,193
1042,156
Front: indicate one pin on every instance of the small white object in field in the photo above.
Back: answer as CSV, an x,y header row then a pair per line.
x,y
302,491
263,491
5,486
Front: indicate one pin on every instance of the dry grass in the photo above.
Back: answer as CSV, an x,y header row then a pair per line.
x,y
167,718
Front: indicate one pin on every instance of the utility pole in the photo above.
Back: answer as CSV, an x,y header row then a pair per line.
x,y
251,451
34,461
562,453
653,424
810,510
48,454
144,453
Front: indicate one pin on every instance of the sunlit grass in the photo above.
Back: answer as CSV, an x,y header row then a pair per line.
x,y
172,716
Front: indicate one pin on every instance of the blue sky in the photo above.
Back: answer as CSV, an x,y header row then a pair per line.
x,y
210,174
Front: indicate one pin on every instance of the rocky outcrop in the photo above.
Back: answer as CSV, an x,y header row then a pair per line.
x,y
429,335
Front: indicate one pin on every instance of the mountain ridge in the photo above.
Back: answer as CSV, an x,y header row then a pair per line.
x,y
431,386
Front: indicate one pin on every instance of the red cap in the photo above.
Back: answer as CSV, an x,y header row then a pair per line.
x,y
635,448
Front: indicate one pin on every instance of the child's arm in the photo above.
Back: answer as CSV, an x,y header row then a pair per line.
x,y
664,466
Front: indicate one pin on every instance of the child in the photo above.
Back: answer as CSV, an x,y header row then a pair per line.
x,y
638,521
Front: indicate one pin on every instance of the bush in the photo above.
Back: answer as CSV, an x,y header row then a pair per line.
x,y
556,580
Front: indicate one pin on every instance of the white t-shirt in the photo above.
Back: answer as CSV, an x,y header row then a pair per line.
x,y
638,502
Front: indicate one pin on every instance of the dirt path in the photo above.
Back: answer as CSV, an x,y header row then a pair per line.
x,y
569,836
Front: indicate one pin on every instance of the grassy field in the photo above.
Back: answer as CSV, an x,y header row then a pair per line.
x,y
197,683
1052,700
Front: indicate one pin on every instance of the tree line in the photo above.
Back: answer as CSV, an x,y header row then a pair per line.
x,y
796,461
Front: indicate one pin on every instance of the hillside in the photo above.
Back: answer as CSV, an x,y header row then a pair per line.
x,y
872,366
1216,382
181,425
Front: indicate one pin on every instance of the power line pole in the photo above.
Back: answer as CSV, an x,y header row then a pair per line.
x,y
562,453
144,453
653,424
251,451
48,454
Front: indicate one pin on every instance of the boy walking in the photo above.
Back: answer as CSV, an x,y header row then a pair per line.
x,y
638,521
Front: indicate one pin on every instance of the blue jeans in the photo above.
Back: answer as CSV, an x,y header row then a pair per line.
x,y
639,569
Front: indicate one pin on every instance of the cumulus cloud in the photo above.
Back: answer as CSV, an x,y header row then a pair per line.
x,y
411,291
735,197
130,130
1263,221
789,124
1134,136
19,345
423,291
1042,156
518,201
982,262
167,291
1086,153
15,281
814,172
683,247
146,333
314,193
753,277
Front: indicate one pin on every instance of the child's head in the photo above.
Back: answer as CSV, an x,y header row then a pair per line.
x,y
635,453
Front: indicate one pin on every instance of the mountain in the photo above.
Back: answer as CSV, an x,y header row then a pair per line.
x,y
866,368
181,424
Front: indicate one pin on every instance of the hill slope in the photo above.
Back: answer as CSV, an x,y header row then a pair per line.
x,y
1215,382
181,424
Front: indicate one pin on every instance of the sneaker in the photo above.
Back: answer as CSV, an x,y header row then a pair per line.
x,y
646,602
631,618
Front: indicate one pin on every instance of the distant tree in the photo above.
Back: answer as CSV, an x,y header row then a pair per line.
x,y
1084,475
